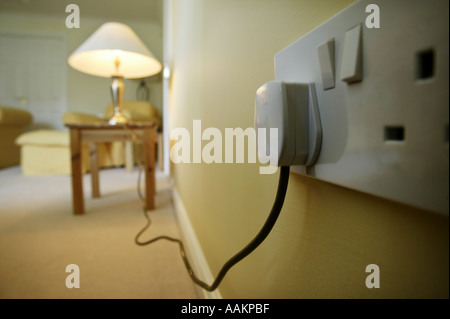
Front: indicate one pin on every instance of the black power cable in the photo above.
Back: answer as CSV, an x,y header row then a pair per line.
x,y
263,233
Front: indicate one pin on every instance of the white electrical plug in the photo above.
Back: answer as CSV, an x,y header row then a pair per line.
x,y
292,109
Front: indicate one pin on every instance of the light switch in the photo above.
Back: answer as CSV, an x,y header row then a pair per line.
x,y
351,70
325,53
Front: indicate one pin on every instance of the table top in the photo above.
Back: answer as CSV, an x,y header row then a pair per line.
x,y
106,125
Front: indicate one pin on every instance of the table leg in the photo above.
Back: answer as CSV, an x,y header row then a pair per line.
x,y
77,182
129,160
149,153
160,152
94,170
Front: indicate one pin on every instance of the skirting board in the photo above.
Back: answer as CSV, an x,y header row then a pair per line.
x,y
193,249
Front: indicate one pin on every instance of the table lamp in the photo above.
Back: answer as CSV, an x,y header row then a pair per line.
x,y
114,50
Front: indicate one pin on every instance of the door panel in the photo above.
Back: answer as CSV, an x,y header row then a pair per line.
x,y
33,76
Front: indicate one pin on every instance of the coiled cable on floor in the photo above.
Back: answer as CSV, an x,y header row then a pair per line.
x,y
263,233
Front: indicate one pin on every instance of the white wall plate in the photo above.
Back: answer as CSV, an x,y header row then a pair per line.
x,y
385,114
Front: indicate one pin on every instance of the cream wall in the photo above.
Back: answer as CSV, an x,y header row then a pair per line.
x,y
87,93
326,235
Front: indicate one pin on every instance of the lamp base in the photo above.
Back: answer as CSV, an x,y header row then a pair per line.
x,y
117,118
117,89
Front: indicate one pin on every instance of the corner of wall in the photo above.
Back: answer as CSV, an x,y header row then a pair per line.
x,y
194,251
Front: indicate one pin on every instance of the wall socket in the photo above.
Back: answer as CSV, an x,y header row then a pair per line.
x,y
382,92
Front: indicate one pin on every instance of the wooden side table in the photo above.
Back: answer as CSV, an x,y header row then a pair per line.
x,y
103,132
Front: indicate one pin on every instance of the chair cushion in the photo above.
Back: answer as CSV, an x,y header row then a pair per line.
x,y
44,137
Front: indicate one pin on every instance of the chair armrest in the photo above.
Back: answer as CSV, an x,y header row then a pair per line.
x,y
137,111
136,118
14,116
81,118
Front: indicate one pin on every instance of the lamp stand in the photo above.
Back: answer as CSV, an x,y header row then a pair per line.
x,y
117,90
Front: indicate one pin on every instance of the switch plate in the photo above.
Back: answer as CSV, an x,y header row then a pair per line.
x,y
387,133
351,58
325,53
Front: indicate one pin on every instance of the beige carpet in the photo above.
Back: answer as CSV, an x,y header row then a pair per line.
x,y
39,237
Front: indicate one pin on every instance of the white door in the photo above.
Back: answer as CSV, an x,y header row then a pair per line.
x,y
33,77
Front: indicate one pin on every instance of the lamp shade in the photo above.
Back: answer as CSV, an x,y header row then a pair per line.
x,y
114,49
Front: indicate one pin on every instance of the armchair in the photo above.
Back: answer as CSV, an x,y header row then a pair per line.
x,y
13,121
